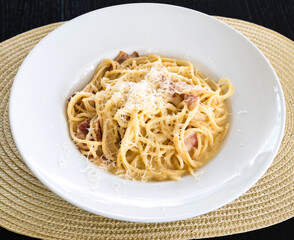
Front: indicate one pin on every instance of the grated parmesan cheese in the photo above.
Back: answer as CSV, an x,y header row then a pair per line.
x,y
149,93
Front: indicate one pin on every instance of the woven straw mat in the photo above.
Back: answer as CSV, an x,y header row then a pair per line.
x,y
28,207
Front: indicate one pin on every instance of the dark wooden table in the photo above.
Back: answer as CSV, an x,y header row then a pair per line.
x,y
18,16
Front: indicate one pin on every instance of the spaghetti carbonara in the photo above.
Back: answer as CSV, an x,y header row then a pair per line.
x,y
149,117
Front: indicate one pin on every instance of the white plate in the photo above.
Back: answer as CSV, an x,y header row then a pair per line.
x,y
64,61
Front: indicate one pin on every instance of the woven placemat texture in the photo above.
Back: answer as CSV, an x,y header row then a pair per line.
x,y
28,207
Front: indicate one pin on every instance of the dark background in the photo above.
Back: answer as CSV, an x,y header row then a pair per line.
x,y
18,16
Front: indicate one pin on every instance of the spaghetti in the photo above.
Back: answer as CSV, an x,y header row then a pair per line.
x,y
149,118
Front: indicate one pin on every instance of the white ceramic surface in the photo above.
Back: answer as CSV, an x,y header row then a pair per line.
x,y
64,61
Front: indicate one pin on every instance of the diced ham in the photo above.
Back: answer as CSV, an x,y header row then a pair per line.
x,y
191,141
123,56
191,100
98,131
83,127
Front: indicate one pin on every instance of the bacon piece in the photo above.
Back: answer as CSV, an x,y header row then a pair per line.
x,y
199,116
83,126
82,146
92,103
191,141
80,135
98,131
71,97
135,54
122,56
176,99
191,100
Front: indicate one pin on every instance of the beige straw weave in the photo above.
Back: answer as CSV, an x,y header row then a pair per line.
x,y
28,207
